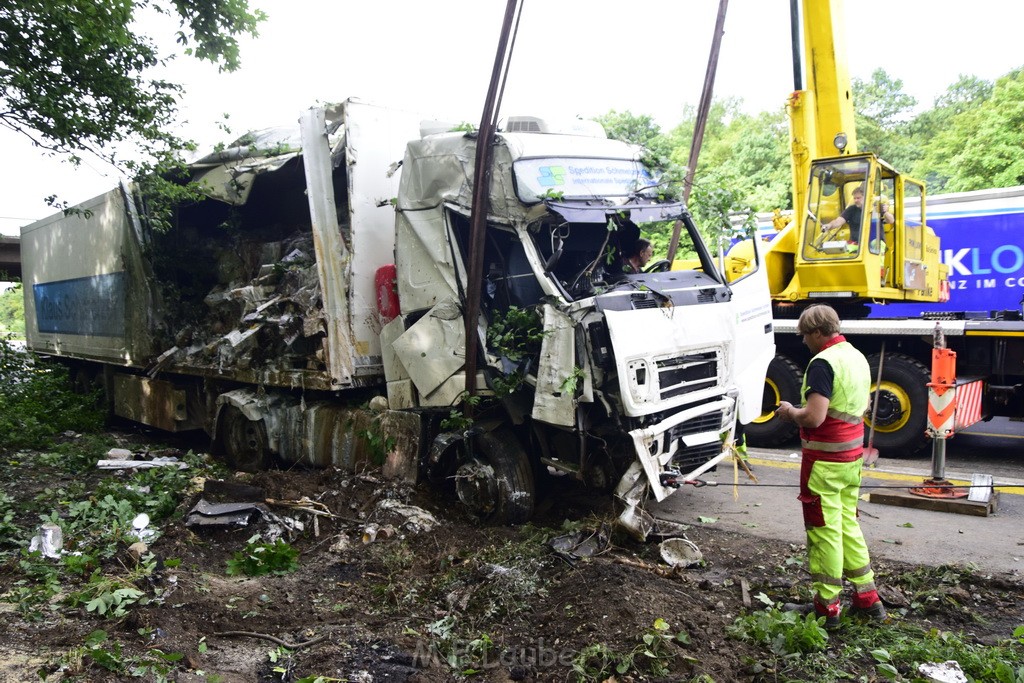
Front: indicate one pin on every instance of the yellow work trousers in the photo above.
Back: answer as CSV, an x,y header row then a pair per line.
x,y
835,544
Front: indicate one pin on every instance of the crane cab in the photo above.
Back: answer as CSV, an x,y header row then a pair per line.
x,y
862,236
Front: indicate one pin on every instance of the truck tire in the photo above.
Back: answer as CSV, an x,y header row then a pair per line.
x,y
495,482
243,442
782,383
902,405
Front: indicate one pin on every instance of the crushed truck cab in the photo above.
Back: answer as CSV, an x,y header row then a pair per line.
x,y
323,266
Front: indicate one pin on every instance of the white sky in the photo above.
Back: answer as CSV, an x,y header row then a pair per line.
x,y
572,57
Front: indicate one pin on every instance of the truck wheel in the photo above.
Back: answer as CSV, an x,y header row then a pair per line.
x,y
243,441
496,481
902,415
782,383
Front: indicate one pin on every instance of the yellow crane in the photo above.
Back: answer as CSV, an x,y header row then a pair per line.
x,y
858,234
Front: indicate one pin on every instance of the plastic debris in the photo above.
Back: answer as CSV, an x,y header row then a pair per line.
x,y
580,544
120,454
680,552
417,520
371,532
944,672
140,464
141,530
341,544
49,541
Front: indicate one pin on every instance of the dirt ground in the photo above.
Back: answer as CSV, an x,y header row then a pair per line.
x,y
458,599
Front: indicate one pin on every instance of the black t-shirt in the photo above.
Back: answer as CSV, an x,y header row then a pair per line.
x,y
852,215
820,378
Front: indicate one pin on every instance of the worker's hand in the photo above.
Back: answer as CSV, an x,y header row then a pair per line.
x,y
784,411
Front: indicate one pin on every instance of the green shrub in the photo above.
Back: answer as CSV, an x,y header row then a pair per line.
x,y
36,401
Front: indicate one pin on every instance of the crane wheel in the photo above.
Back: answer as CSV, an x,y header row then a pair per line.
x,y
782,383
902,416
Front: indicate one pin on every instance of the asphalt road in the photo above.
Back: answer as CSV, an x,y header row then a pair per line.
x,y
769,509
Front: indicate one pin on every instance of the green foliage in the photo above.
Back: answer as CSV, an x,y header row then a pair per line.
x,y
111,596
784,633
153,664
78,76
259,558
378,445
515,333
12,312
655,653
795,649
36,401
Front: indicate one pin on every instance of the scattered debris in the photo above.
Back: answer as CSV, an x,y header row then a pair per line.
x,y
141,530
122,464
415,519
120,454
944,672
137,550
273,639
680,552
372,531
581,544
49,541
221,514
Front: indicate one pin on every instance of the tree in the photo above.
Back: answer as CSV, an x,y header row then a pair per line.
x,y
12,312
883,116
981,146
75,74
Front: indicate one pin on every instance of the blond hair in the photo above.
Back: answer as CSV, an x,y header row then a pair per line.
x,y
819,317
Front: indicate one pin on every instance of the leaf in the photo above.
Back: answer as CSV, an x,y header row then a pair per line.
x,y
907,525
661,624
764,599
707,520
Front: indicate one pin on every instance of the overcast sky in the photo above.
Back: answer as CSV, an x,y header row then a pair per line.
x,y
572,58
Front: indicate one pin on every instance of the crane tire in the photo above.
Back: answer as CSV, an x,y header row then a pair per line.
x,y
902,416
782,383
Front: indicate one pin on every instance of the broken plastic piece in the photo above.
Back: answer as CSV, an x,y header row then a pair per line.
x,y
944,672
680,552
49,541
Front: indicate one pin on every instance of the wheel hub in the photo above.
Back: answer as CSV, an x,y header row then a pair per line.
x,y
476,486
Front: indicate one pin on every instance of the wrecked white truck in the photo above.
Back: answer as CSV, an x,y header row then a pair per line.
x,y
317,272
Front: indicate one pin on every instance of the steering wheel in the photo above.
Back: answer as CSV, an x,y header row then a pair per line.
x,y
660,266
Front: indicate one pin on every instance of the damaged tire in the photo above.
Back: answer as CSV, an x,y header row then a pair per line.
x,y
243,442
495,482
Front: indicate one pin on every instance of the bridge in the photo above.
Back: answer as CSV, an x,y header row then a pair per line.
x,y
10,258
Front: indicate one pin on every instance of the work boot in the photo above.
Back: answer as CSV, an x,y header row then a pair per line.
x,y
868,606
830,612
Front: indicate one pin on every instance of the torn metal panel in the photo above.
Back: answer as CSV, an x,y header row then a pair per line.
x,y
434,348
331,253
424,260
554,401
157,403
222,514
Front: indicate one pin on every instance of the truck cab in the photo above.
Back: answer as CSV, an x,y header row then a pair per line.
x,y
599,374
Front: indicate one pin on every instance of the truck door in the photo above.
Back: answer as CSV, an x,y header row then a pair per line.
x,y
754,338
912,273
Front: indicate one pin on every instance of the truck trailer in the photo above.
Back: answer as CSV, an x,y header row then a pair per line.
x,y
325,270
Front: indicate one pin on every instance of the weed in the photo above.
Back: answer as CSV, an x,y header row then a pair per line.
x,y
378,445
111,596
36,401
516,333
154,665
784,633
258,558
655,653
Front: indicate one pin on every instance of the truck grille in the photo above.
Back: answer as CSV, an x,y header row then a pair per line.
x,y
712,422
688,459
686,374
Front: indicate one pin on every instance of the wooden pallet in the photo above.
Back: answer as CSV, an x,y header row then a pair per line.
x,y
962,506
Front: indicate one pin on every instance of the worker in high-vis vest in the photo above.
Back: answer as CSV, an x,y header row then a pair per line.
x,y
835,392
